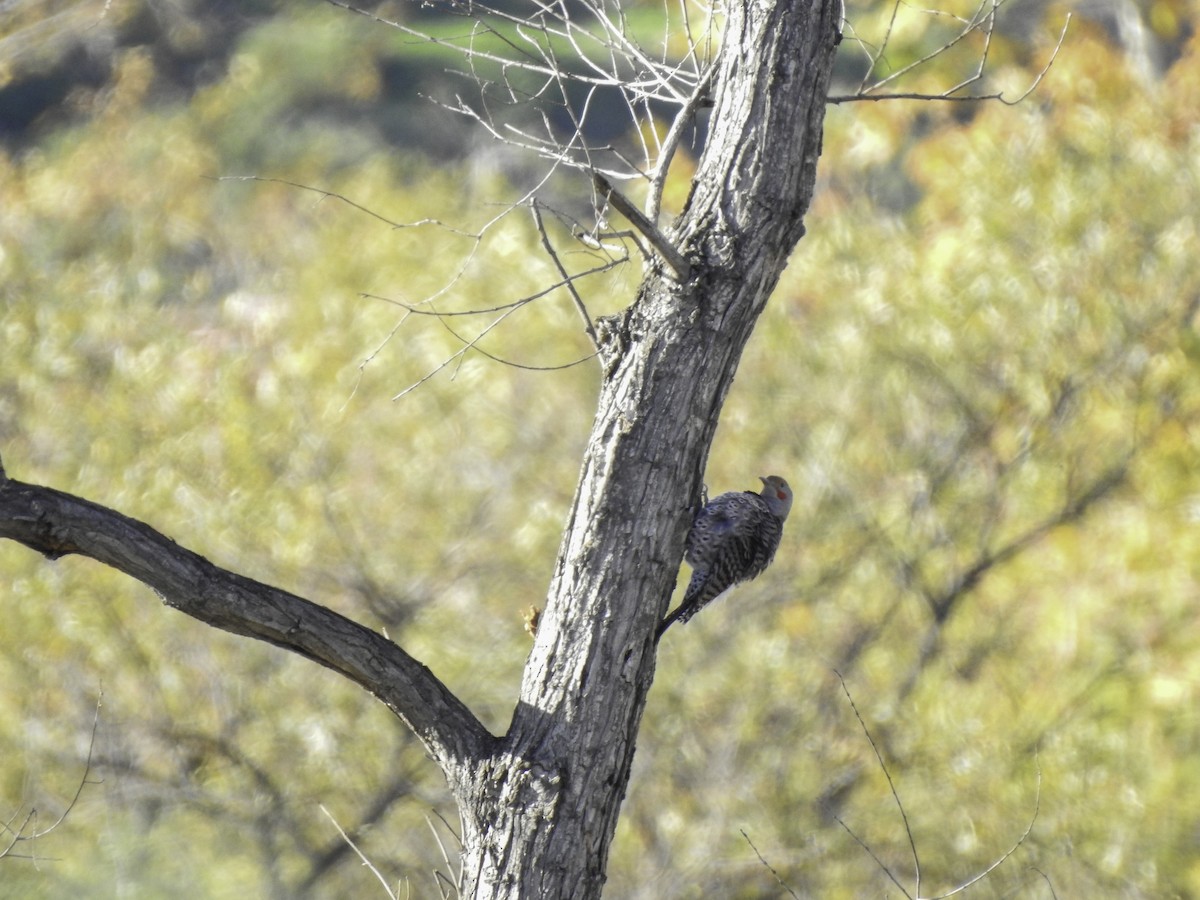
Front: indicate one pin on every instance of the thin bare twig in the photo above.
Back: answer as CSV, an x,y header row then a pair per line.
x,y
1037,805
528,298
982,21
18,835
879,862
770,868
559,61
445,855
1046,68
1049,883
366,862
469,344
979,21
895,795
567,279
916,895
342,198
670,144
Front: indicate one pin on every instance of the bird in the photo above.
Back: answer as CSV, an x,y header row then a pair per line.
x,y
732,539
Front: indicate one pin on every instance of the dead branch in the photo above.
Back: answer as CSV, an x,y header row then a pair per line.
x,y
566,279
912,843
770,868
916,894
649,230
56,524
982,23
19,834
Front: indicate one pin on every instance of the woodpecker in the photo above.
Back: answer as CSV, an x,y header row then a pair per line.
x,y
733,539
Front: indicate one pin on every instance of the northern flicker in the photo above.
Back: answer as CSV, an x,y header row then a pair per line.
x,y
733,539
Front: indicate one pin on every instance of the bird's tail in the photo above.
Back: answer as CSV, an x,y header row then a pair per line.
x,y
687,608
666,623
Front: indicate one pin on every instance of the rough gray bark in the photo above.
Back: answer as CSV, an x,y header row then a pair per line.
x,y
539,805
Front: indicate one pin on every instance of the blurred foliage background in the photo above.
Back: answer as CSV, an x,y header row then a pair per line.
x,y
981,373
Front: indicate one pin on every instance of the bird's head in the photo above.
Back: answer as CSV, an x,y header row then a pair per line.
x,y
778,495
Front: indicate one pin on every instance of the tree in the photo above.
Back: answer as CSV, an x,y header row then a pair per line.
x,y
539,804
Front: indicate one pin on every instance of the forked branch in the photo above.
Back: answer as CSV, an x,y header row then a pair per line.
x,y
649,230
916,892
563,62
14,833
981,24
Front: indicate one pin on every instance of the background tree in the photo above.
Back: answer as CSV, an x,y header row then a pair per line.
x,y
921,346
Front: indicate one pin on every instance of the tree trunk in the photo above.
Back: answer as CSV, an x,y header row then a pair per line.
x,y
539,815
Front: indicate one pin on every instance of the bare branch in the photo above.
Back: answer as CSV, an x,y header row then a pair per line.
x,y
979,21
1049,883
657,239
18,835
56,524
521,301
670,144
554,67
867,847
1062,36
916,894
1037,805
469,344
770,868
353,846
324,194
874,58
583,43
912,844
442,848
983,22
567,279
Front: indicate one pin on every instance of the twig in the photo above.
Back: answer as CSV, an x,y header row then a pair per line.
x,y
1037,805
333,195
18,834
366,862
891,784
483,311
649,230
442,847
980,21
448,827
916,895
770,868
670,144
1049,883
879,862
975,23
568,281
1046,68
